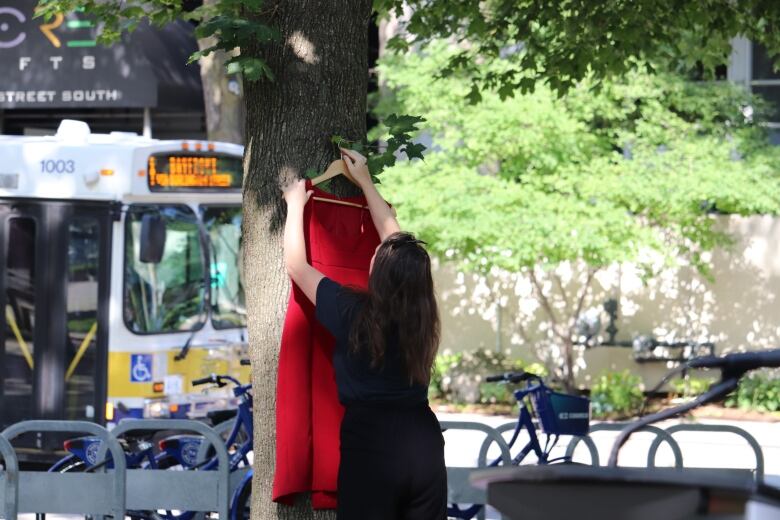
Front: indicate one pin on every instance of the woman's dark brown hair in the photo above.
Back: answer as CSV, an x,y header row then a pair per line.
x,y
400,301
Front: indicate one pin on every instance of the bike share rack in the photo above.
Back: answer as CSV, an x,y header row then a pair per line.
x,y
661,436
236,476
459,489
757,473
9,480
44,492
149,489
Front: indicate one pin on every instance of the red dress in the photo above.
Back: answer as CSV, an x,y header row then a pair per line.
x,y
340,241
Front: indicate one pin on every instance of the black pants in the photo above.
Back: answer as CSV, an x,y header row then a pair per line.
x,y
392,465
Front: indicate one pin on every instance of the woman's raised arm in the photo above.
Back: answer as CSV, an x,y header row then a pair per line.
x,y
304,275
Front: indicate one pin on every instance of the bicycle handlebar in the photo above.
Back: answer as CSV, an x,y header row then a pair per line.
x,y
739,363
205,380
216,379
510,377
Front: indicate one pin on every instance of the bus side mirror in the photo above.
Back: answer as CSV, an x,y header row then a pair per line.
x,y
152,239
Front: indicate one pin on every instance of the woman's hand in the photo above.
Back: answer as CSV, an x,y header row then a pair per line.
x,y
357,165
381,214
295,193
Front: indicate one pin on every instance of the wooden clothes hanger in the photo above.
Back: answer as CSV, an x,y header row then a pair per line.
x,y
337,167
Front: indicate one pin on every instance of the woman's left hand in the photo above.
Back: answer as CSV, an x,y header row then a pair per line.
x,y
295,193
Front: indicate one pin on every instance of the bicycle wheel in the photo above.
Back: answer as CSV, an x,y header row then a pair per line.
x,y
241,508
468,512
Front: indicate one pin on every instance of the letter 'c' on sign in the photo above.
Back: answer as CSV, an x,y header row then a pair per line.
x,y
4,27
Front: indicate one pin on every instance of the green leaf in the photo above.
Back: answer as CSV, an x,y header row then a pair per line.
x,y
340,141
253,69
398,44
402,125
414,150
377,163
474,96
195,56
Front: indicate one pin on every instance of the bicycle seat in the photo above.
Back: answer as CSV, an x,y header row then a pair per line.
x,y
219,416
139,435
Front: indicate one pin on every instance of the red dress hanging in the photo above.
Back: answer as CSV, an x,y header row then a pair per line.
x,y
340,241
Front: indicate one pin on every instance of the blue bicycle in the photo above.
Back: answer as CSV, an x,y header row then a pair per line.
x,y
556,414
182,451
239,443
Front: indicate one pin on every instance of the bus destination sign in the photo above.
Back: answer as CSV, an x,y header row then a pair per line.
x,y
182,171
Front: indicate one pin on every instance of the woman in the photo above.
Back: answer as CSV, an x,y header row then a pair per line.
x,y
392,450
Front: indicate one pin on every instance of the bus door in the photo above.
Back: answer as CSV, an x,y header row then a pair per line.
x,y
54,291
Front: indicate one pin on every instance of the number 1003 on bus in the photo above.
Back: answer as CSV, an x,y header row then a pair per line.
x,y
58,166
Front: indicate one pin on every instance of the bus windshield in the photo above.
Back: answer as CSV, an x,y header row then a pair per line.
x,y
169,296
223,224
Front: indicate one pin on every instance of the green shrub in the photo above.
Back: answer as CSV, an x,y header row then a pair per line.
x,y
690,386
759,391
535,368
442,366
459,377
616,395
495,393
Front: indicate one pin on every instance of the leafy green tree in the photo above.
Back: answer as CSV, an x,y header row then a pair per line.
x,y
565,42
311,60
537,185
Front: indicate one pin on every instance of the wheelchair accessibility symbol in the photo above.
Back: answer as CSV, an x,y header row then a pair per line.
x,y
140,368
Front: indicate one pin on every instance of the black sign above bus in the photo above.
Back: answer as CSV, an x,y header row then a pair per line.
x,y
194,171
58,63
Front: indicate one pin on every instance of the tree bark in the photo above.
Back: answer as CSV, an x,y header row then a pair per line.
x,y
222,98
321,71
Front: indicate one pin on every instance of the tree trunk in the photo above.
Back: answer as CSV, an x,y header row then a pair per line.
x,y
222,98
321,69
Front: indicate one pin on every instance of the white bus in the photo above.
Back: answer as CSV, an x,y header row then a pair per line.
x,y
119,275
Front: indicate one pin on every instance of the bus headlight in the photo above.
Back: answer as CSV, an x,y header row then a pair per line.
x,y
156,410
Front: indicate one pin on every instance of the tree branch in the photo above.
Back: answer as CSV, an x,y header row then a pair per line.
x,y
581,299
557,279
521,330
545,303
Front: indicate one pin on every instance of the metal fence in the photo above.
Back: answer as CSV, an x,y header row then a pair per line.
x,y
112,489
461,491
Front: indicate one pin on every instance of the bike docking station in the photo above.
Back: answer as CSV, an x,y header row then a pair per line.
x,y
160,489
565,491
64,493
139,468
108,487
9,480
